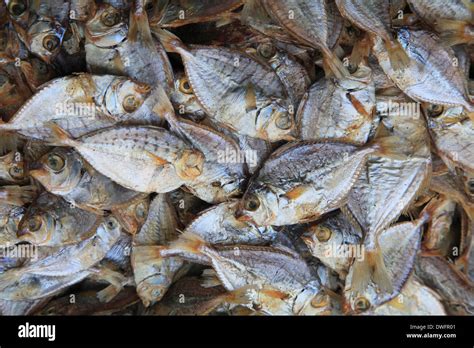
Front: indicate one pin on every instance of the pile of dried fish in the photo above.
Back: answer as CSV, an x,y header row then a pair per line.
x,y
236,157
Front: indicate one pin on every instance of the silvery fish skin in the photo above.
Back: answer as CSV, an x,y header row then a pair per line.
x,y
218,225
9,226
414,299
452,131
80,104
439,233
432,11
277,275
44,38
291,72
178,13
375,18
314,23
154,274
51,221
156,160
399,246
113,47
72,264
236,90
12,167
63,172
20,307
454,287
221,177
339,109
330,236
431,76
184,99
302,181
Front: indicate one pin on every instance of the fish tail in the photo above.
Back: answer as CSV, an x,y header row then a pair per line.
x,y
454,32
238,296
391,146
18,195
371,267
170,42
398,57
360,52
60,136
146,254
189,242
139,26
333,66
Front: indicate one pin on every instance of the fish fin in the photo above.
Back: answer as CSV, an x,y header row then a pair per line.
x,y
60,136
273,293
239,296
371,267
358,106
296,192
398,57
18,195
147,253
333,66
163,107
361,51
139,27
157,159
189,242
454,32
391,146
250,98
170,42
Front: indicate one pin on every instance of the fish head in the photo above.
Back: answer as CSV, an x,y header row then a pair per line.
x,y
319,236
190,164
125,97
275,122
258,206
133,216
36,227
152,293
45,38
184,99
58,170
12,167
40,72
18,10
107,27
312,301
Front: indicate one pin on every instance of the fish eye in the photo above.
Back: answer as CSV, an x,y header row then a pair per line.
x,y
352,68
16,172
17,8
361,304
435,110
140,211
55,162
35,223
110,18
131,103
323,233
251,203
111,223
185,87
50,42
320,300
266,50
284,122
470,186
216,184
